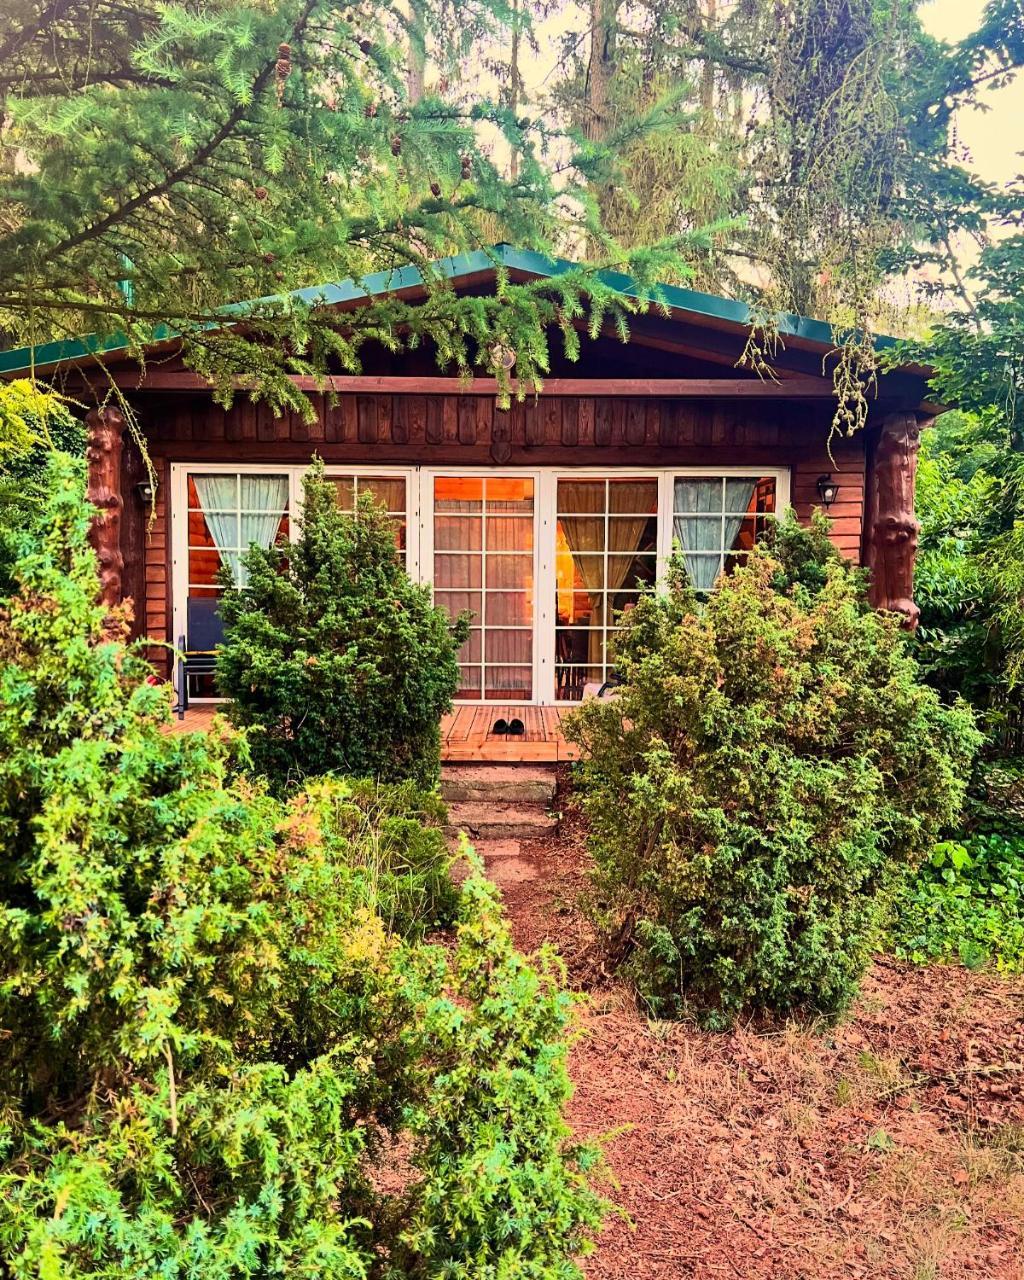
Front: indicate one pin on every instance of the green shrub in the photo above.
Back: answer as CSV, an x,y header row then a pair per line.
x,y
228,1050
770,764
966,902
33,423
333,658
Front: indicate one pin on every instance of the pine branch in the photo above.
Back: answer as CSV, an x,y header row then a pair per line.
x,y
184,170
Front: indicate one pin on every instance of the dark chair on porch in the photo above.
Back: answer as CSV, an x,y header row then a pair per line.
x,y
197,649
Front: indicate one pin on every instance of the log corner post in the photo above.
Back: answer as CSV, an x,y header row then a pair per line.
x,y
892,528
103,455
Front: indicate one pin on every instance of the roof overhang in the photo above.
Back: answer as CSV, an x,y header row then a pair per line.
x,y
688,306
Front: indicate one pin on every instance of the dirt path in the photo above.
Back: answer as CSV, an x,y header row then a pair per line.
x,y
884,1147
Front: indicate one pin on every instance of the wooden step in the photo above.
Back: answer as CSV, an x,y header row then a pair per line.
x,y
498,783
482,821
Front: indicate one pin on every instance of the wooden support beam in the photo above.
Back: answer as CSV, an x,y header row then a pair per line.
x,y
676,388
103,455
890,524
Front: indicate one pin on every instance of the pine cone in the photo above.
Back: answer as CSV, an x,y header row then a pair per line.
x,y
261,193
396,145
435,190
370,110
467,166
283,69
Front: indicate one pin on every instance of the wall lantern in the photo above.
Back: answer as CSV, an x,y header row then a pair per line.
x,y
145,491
828,491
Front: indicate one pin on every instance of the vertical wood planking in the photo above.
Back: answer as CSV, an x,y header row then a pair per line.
x,y
366,419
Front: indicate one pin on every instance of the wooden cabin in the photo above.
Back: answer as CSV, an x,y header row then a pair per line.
x,y
544,520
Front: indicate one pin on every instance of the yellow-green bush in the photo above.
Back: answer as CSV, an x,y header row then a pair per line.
x,y
772,763
229,1049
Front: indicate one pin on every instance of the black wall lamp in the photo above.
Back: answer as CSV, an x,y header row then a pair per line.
x,y
828,491
145,491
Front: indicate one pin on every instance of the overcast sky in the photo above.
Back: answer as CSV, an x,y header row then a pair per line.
x,y
993,138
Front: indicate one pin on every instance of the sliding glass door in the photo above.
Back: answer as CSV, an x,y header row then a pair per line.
x,y
546,563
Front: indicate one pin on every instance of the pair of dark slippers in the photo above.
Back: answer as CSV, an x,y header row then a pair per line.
x,y
514,727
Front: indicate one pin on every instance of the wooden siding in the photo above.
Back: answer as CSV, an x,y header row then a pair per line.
x,y
449,430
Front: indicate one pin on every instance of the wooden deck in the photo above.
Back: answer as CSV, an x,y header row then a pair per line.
x,y
466,733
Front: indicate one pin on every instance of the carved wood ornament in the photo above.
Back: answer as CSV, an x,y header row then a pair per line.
x,y
891,526
103,455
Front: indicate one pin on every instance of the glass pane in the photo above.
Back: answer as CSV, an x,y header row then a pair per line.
x,y
581,496
508,647
698,494
454,570
636,533
509,494
345,489
571,681
510,684
387,490
619,605
698,533
263,494
580,534
510,571
224,526
469,683
509,533
219,491
457,533
199,534
457,602
586,573
509,609
458,493
576,646
203,567
629,573
740,495
633,497
764,497
473,647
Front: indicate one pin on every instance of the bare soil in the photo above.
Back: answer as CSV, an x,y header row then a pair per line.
x,y
889,1145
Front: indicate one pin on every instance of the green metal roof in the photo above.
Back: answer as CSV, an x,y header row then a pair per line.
x,y
707,305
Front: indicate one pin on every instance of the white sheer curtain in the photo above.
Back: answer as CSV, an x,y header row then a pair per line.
x,y
218,497
240,510
707,526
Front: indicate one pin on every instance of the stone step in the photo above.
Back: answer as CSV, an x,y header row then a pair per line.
x,y
504,862
482,821
498,783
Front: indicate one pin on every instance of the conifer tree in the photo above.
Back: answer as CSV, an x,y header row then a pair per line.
x,y
160,162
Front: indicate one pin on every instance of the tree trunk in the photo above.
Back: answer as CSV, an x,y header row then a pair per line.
x,y
417,70
514,84
603,29
603,15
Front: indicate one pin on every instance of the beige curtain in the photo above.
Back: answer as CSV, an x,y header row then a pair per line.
x,y
584,534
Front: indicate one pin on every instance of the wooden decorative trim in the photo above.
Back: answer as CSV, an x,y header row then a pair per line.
x,y
103,456
891,527
802,388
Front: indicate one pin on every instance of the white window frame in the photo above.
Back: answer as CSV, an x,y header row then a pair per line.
x,y
419,527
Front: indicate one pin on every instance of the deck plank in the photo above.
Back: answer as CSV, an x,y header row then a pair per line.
x,y
466,732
